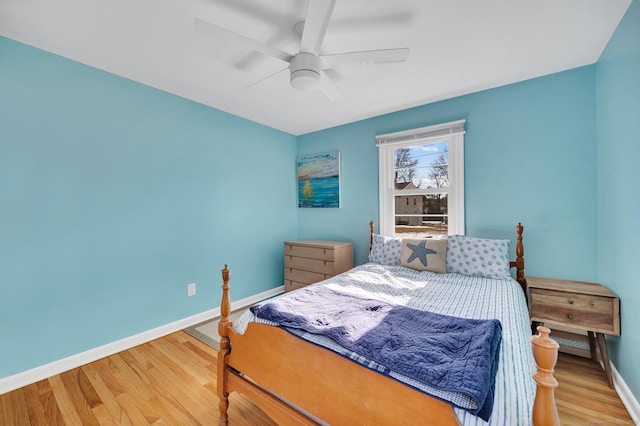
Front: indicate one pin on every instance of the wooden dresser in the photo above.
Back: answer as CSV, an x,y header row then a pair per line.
x,y
585,306
309,261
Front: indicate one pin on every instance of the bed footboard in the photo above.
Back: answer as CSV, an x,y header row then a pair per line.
x,y
283,375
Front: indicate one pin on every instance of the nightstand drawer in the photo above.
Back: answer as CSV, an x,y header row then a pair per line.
x,y
308,264
308,252
583,311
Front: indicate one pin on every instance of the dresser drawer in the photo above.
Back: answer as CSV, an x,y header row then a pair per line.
x,y
293,285
308,264
310,261
305,277
588,312
319,253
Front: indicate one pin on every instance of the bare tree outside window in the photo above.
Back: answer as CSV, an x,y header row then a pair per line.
x,y
439,173
404,166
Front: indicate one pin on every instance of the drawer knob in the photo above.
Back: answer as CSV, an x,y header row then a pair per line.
x,y
571,301
570,316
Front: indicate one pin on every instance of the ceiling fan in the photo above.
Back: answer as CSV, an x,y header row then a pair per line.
x,y
306,68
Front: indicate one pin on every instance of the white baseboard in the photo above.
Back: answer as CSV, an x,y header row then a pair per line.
x,y
25,378
626,396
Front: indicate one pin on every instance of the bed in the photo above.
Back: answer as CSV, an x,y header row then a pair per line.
x,y
300,377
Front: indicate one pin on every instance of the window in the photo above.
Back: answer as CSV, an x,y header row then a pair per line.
x,y
426,165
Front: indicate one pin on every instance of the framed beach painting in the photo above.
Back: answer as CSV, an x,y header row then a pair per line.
x,y
319,180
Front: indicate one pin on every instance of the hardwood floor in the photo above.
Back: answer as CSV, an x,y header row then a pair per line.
x,y
168,381
172,381
583,395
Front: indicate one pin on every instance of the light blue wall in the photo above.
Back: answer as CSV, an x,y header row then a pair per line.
x,y
530,156
114,196
618,93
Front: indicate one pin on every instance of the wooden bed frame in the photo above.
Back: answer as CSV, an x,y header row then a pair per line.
x,y
288,378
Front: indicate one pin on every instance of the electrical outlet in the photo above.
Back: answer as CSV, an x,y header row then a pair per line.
x,y
191,289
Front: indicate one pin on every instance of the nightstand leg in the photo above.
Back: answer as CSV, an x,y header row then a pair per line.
x,y
534,327
605,358
592,346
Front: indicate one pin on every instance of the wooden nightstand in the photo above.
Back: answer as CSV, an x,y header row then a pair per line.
x,y
576,304
309,261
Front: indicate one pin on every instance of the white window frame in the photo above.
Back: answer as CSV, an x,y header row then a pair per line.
x,y
453,133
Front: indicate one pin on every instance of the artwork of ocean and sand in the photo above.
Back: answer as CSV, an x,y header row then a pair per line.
x,y
319,180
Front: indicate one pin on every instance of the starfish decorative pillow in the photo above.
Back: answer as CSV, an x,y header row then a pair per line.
x,y
424,254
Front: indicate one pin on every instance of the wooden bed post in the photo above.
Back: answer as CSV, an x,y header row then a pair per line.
x,y
519,262
372,227
545,352
223,330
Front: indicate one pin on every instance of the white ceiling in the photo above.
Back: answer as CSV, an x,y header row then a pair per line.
x,y
457,47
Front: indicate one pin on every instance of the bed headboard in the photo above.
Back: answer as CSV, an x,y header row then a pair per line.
x,y
518,263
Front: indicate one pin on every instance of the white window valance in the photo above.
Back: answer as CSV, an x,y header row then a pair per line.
x,y
422,134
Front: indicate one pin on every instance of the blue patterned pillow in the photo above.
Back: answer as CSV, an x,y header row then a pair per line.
x,y
385,250
479,257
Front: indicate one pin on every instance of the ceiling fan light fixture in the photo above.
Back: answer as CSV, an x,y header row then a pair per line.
x,y
305,71
305,80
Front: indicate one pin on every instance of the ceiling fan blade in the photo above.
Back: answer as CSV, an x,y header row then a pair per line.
x,y
365,57
266,78
207,28
329,88
315,25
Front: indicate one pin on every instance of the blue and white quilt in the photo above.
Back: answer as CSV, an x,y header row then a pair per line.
x,y
452,295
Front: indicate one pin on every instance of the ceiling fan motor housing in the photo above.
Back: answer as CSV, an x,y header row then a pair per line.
x,y
305,71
